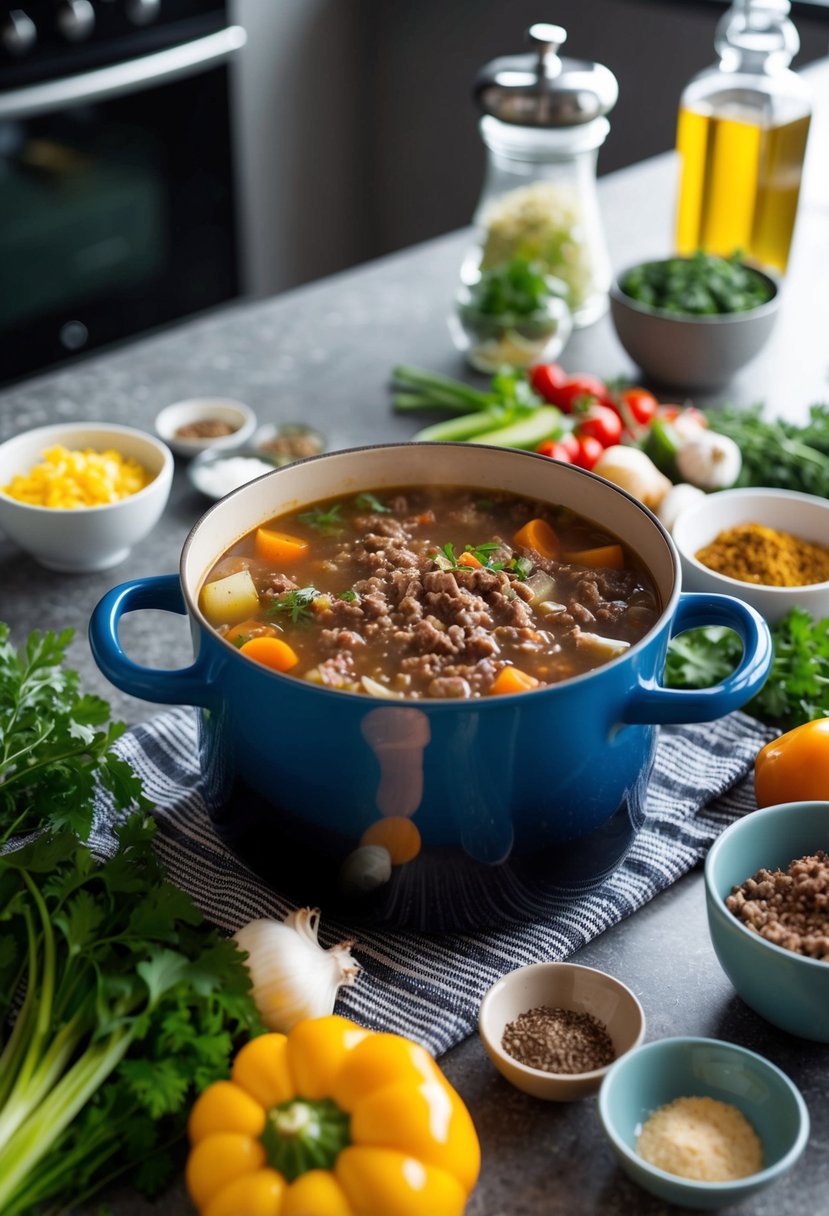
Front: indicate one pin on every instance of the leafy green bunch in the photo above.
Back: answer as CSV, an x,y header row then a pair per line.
x,y
130,1005
797,688
55,742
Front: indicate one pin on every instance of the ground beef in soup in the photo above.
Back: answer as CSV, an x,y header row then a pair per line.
x,y
433,592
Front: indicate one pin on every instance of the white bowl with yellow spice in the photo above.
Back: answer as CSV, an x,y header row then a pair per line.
x,y
79,496
767,547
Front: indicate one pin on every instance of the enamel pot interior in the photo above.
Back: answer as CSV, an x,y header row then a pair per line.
x,y
510,801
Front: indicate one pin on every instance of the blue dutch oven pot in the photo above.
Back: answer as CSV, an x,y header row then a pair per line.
x,y
517,799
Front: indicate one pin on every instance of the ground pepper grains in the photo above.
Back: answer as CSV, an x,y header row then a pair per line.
x,y
788,907
755,553
558,1040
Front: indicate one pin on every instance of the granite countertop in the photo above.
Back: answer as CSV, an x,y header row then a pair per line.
x,y
323,355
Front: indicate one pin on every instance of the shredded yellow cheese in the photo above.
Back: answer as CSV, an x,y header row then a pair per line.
x,y
703,1139
68,479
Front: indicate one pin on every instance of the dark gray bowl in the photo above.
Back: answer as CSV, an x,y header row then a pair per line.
x,y
691,352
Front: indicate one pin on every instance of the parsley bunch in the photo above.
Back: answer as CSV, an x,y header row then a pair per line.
x,y
130,1005
797,688
778,453
55,742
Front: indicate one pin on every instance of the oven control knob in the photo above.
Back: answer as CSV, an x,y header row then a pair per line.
x,y
142,12
18,33
76,19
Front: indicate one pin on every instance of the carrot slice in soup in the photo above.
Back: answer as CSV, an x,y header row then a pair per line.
x,y
538,535
279,547
608,557
512,679
469,559
271,652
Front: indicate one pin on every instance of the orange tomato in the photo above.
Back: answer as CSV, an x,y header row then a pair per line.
x,y
794,767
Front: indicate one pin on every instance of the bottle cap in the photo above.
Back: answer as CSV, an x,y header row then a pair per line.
x,y
542,89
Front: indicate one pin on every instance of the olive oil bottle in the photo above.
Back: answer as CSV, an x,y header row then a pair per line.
x,y
741,139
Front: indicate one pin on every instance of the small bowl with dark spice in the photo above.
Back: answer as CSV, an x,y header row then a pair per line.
x,y
203,424
284,442
693,322
769,548
702,1123
767,895
554,1029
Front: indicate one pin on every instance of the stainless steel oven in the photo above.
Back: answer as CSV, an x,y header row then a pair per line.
x,y
117,209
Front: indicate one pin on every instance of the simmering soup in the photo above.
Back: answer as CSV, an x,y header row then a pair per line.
x,y
431,592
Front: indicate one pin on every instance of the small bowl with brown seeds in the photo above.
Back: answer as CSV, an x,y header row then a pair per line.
x,y
202,424
767,897
554,1029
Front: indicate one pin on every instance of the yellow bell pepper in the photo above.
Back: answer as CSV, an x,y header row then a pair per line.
x,y
795,767
331,1120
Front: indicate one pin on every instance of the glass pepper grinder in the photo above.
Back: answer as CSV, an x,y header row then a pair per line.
x,y
741,138
543,122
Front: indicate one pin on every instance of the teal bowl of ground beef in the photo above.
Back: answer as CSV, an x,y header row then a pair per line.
x,y
767,894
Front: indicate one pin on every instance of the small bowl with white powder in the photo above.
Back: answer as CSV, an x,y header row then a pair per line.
x,y
702,1123
215,474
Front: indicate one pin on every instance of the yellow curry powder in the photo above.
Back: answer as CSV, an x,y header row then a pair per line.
x,y
67,479
755,553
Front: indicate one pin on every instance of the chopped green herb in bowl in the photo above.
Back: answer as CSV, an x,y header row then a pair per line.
x,y
511,317
701,285
692,323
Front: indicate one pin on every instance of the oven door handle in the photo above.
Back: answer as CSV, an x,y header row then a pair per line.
x,y
120,78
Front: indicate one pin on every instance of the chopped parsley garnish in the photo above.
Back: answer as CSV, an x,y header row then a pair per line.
x,y
322,520
368,502
447,559
349,596
295,604
521,567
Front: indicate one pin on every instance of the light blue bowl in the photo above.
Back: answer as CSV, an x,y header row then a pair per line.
x,y
657,1073
787,989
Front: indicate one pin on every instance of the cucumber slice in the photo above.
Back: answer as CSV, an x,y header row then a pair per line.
x,y
543,423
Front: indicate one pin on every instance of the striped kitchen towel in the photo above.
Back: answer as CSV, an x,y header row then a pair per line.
x,y
429,987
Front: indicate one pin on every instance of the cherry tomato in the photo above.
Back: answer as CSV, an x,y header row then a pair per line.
x,y
557,450
545,379
589,451
639,404
581,389
602,423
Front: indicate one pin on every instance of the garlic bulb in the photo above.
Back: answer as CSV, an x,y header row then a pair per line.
x,y
293,976
675,501
709,460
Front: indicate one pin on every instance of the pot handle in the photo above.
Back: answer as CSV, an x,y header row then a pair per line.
x,y
180,686
651,704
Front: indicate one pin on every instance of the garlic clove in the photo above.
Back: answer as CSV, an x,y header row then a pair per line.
x,y
293,976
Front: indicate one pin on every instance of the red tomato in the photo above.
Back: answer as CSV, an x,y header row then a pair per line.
x,y
640,404
567,391
581,388
602,423
545,378
557,450
589,451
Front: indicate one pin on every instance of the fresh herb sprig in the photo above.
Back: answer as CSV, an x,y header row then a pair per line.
x,y
326,520
55,742
797,688
129,1006
294,604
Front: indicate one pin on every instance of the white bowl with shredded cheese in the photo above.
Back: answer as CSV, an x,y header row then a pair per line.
x,y
79,496
702,1123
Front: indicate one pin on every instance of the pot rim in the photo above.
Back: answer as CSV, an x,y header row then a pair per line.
x,y
437,703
